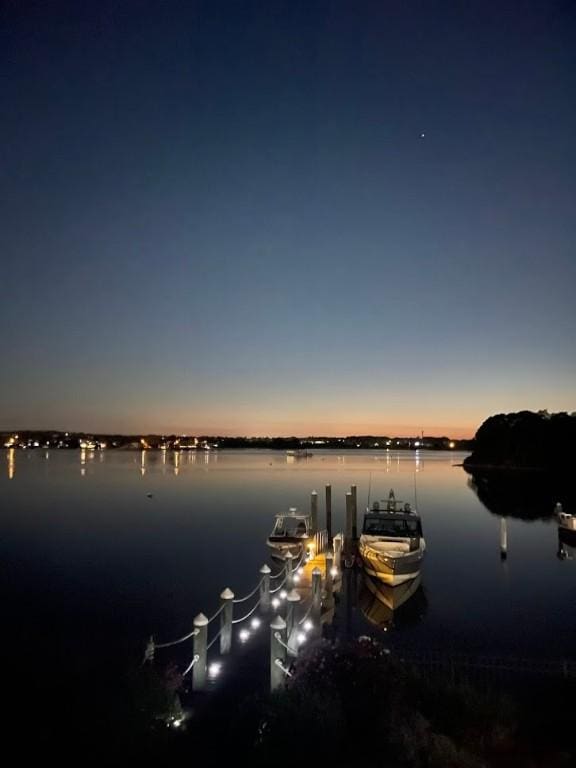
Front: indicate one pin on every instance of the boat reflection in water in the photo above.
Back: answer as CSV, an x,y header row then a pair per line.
x,y
386,606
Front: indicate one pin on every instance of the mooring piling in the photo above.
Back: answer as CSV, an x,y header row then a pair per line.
x,y
354,493
329,513
314,511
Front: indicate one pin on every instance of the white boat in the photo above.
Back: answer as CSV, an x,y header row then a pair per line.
x,y
565,519
292,532
392,545
298,453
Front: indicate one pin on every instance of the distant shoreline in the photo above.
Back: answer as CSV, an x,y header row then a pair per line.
x,y
94,441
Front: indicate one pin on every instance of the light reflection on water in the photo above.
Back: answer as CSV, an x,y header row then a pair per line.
x,y
145,540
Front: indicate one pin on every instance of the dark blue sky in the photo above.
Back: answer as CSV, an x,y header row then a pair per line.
x,y
221,216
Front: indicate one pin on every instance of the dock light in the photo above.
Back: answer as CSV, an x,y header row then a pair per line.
x,y
301,637
176,723
283,595
333,572
300,571
296,579
308,625
243,635
275,602
214,669
255,623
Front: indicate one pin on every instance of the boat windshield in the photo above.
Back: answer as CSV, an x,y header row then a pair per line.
x,y
380,525
286,526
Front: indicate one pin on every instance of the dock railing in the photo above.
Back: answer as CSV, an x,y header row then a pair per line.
x,y
302,591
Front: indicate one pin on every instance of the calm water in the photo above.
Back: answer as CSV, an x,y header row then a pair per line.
x,y
91,565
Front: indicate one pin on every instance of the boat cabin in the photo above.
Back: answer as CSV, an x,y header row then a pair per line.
x,y
392,524
291,525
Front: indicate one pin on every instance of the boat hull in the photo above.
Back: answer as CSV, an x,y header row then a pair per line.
x,y
390,568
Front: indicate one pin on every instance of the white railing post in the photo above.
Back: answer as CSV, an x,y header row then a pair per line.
x,y
292,601
265,588
226,616
288,565
200,652
277,652
149,652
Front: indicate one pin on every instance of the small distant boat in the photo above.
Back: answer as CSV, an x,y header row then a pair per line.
x,y
392,545
299,453
292,532
565,519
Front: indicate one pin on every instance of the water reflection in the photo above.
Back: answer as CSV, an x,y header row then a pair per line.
x,y
503,538
10,457
566,544
386,607
520,494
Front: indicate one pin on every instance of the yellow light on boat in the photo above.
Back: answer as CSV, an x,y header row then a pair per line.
x,y
296,579
283,594
255,623
301,637
176,723
308,625
300,571
275,602
333,572
243,635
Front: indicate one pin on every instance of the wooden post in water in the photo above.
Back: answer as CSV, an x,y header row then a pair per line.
x,y
200,651
329,513
265,588
288,567
329,585
316,612
503,539
314,511
338,551
277,652
291,602
349,542
227,600
353,491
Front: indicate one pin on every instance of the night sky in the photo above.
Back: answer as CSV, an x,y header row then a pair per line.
x,y
286,217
